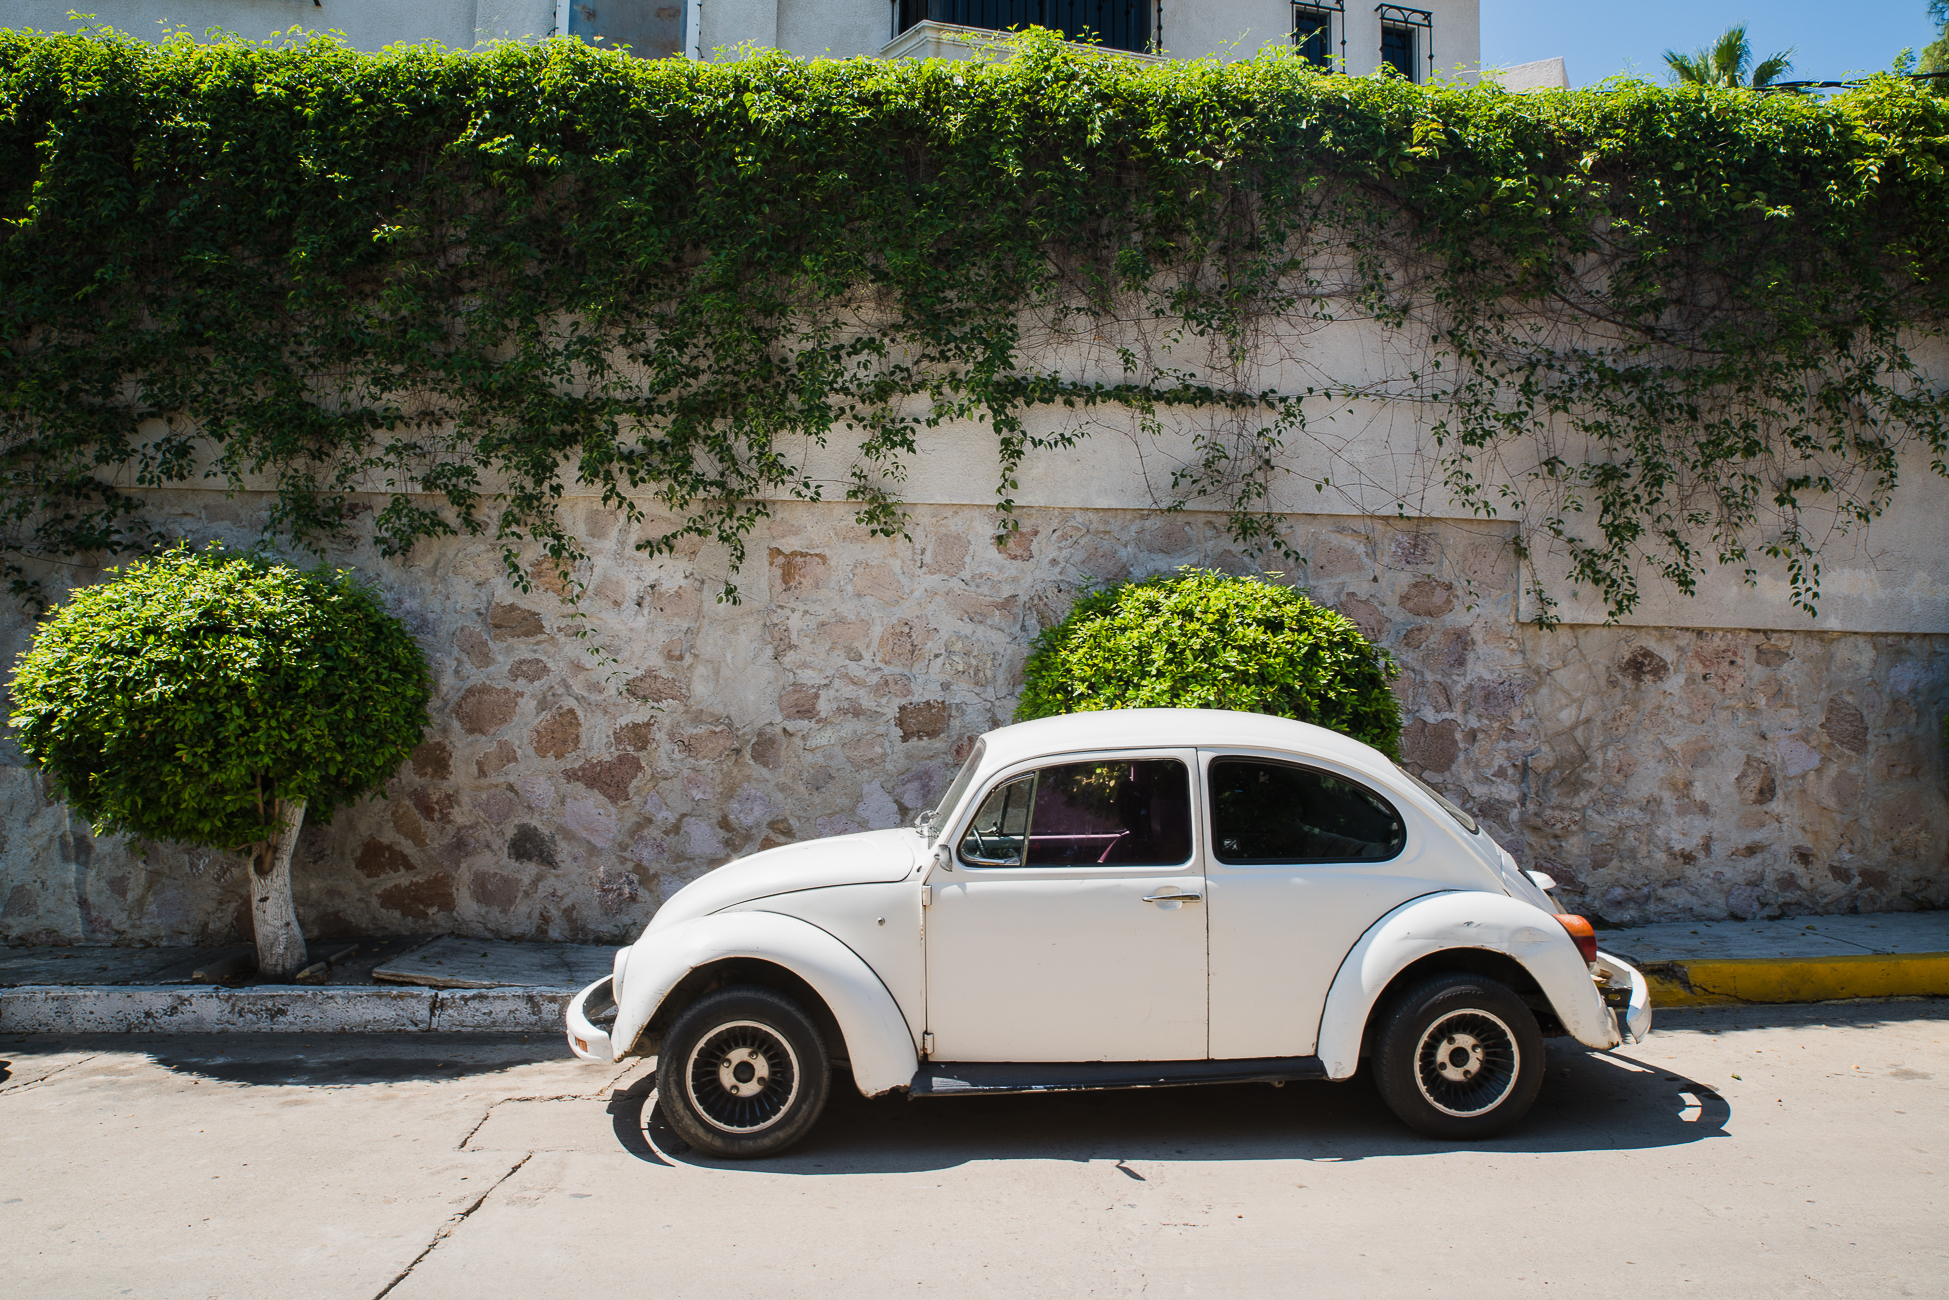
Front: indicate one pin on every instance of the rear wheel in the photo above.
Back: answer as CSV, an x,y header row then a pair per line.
x,y
1459,1056
743,1073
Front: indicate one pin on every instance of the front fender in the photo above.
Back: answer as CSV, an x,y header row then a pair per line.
x,y
1464,919
878,1040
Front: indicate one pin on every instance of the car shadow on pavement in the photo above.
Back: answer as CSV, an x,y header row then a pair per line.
x,y
1590,1101
340,1059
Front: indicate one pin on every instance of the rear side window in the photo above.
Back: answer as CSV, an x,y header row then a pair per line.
x,y
1281,812
1133,813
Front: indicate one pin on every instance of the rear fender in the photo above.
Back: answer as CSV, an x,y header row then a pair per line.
x,y
1435,923
878,1042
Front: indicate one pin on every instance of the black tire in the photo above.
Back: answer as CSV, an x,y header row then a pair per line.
x,y
743,1073
1458,1056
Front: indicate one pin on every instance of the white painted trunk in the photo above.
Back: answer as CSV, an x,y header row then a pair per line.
x,y
273,915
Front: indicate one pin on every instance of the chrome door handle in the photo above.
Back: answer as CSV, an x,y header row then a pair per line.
x,y
1174,898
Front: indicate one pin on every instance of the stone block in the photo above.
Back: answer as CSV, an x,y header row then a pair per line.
x,y
421,899
608,777
483,710
433,760
514,623
558,735
924,720
378,858
1427,598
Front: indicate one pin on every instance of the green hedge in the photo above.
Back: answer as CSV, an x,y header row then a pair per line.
x,y
465,281
1198,639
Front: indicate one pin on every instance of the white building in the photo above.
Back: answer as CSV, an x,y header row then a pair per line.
x,y
1438,38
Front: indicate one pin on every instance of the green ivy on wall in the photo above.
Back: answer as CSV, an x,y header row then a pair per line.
x,y
1657,326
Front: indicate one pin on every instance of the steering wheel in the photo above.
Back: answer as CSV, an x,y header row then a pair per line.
x,y
979,842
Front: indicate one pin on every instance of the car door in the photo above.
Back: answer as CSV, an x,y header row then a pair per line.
x,y
1068,922
1301,860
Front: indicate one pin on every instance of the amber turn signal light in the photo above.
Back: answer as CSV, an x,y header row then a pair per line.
x,y
1585,936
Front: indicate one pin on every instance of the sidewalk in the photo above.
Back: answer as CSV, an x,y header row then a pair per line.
x,y
390,984
1796,959
419,983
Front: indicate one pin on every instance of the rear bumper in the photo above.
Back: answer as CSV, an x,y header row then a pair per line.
x,y
589,1015
1634,1018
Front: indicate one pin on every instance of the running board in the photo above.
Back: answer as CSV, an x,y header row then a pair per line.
x,y
965,1079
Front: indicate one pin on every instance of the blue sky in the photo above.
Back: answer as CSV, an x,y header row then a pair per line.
x,y
1599,38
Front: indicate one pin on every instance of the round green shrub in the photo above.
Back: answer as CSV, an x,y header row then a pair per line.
x,y
1199,639
185,695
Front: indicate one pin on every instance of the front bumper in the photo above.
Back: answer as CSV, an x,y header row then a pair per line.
x,y
590,1014
1630,987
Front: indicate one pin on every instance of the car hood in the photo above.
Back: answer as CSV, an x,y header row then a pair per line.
x,y
867,858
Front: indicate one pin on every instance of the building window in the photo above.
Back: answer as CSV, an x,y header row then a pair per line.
x,y
1116,24
648,29
1407,41
1313,35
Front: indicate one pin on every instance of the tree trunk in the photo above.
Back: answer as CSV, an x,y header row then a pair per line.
x,y
273,915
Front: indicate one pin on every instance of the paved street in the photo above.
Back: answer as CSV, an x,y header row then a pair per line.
x,y
1785,1151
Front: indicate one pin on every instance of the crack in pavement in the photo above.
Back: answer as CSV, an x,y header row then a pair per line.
x,y
35,1083
502,1101
597,1095
447,1228
484,1117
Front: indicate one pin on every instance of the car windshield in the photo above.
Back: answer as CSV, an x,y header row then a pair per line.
x,y
1468,822
934,819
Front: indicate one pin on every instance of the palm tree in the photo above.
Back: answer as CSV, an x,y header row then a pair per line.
x,y
1726,62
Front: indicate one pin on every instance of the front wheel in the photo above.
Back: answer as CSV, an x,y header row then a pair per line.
x,y
743,1073
1459,1056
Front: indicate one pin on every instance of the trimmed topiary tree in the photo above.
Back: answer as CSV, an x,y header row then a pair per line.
x,y
1198,639
215,699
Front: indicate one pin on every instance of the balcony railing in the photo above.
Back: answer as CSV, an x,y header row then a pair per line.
x,y
1116,24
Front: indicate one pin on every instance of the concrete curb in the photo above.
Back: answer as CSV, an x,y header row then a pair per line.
x,y
1716,982
174,1009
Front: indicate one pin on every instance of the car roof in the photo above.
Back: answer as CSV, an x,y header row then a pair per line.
x,y
1176,729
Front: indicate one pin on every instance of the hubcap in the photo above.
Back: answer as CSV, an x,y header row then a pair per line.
x,y
742,1076
1467,1063
743,1072
1459,1058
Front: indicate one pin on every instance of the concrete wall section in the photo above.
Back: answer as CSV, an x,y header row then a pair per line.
x,y
514,20
1890,574
366,25
834,31
727,24
1659,773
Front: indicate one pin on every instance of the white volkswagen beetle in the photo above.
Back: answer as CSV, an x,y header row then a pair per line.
x,y
1121,899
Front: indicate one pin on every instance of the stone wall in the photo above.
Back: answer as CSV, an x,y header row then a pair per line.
x,y
1657,773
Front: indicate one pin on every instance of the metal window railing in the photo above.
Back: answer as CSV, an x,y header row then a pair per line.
x,y
1313,24
1115,24
1401,29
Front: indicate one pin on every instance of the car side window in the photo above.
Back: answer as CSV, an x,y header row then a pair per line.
x,y
1000,827
1134,813
1282,812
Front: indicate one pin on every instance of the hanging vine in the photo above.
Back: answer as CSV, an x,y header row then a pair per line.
x,y
1654,327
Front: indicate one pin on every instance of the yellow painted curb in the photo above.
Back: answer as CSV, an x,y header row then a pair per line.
x,y
1719,982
